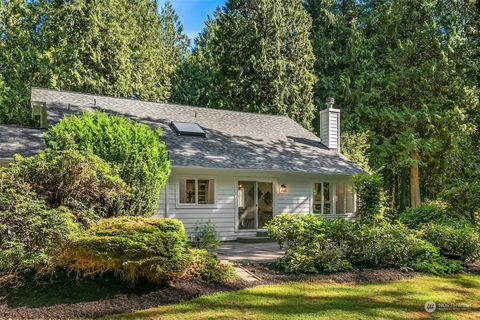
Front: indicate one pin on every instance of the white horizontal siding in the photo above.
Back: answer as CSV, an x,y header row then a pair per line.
x,y
297,199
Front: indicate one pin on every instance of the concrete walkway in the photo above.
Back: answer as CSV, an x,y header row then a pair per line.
x,y
237,252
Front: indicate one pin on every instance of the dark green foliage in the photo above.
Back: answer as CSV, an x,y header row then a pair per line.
x,y
133,148
315,244
206,267
311,244
394,245
18,57
83,182
427,212
206,236
455,240
133,248
122,48
31,234
355,146
193,81
255,56
404,72
369,189
464,199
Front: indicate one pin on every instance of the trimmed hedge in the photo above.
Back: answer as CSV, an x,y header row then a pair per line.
x,y
314,244
148,248
81,181
134,148
132,247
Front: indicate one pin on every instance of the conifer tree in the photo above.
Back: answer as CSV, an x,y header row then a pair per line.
x,y
264,58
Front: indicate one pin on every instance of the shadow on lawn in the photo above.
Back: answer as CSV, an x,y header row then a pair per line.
x,y
65,288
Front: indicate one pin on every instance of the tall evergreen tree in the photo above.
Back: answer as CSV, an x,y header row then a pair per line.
x,y
343,58
120,48
421,100
193,81
265,59
18,56
174,39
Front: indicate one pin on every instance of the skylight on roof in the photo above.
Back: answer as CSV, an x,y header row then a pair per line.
x,y
188,129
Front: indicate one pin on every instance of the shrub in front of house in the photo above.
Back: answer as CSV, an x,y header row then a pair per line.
x,y
451,233
395,245
427,212
206,236
464,199
133,248
311,244
315,244
81,181
455,240
134,148
371,199
31,234
206,267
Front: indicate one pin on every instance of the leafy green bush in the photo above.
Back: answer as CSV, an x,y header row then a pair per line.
x,y
426,212
311,243
132,247
133,147
206,236
459,241
369,189
205,266
464,199
80,181
394,245
315,244
31,234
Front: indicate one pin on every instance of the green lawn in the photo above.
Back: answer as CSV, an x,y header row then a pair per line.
x,y
403,299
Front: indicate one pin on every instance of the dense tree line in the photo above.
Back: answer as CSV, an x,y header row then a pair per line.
x,y
122,48
405,73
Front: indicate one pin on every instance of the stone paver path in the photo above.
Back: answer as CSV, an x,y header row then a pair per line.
x,y
237,252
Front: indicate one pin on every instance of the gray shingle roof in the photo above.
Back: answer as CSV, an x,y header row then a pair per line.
x,y
233,139
21,140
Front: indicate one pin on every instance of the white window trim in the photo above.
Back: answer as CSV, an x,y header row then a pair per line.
x,y
178,204
333,212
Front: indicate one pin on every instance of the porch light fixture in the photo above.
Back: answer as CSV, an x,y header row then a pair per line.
x,y
283,188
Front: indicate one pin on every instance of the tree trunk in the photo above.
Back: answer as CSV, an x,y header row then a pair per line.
x,y
414,182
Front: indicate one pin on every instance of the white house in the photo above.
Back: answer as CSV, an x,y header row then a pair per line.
x,y
234,169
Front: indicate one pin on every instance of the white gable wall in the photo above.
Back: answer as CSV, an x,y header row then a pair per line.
x,y
297,199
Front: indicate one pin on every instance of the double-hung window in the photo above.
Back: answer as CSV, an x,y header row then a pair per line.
x,y
197,191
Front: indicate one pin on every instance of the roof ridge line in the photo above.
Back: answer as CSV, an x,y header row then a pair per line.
x,y
164,103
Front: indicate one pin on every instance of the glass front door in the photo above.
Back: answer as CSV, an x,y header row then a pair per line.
x,y
255,204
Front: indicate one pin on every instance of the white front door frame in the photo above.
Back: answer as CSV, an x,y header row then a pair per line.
x,y
256,180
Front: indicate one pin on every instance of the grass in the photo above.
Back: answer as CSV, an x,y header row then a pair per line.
x,y
402,299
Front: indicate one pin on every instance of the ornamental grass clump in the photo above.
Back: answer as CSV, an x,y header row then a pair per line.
x,y
133,248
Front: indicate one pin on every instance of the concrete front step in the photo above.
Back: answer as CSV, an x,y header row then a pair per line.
x,y
254,239
262,233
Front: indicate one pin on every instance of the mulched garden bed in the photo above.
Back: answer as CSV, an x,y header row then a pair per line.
x,y
63,297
